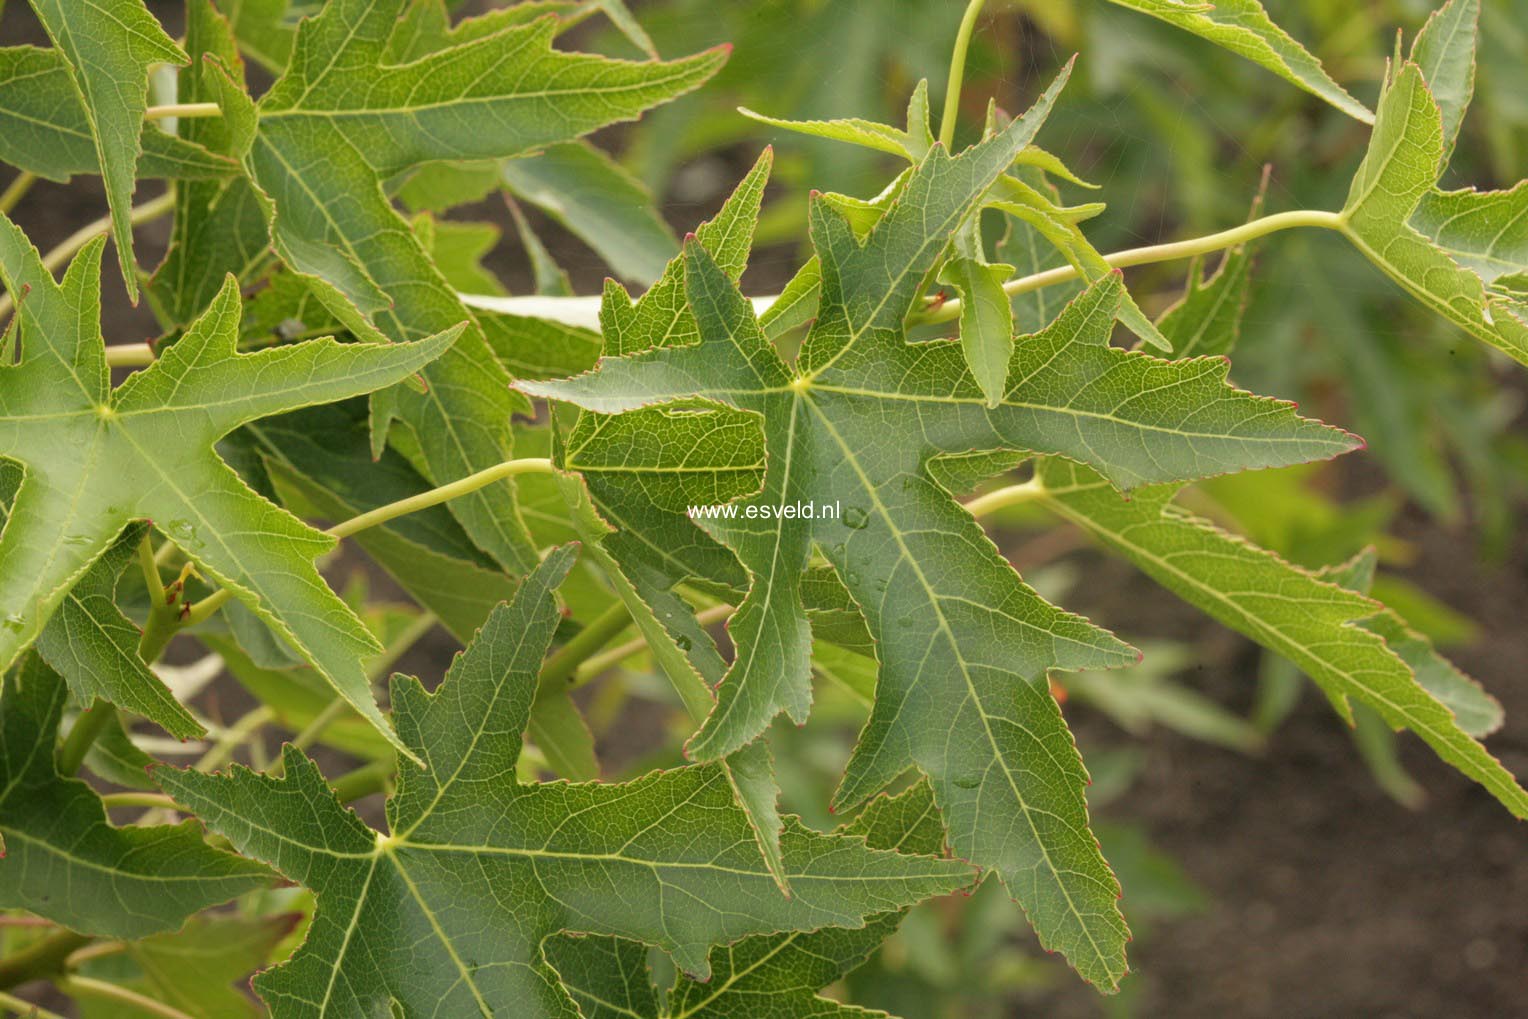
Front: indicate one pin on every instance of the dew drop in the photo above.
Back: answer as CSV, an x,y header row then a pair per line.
x,y
682,643
856,518
183,533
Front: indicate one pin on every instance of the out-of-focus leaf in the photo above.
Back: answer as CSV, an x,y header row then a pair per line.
x,y
1336,636
193,970
584,190
1244,28
219,226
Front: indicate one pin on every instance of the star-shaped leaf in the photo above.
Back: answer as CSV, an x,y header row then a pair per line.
x,y
64,860
108,47
964,644
447,912
763,977
375,89
1350,645
97,459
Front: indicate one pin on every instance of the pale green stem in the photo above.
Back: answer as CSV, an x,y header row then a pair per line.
x,y
25,1008
150,566
1261,227
958,72
581,310
129,355
445,493
182,111
413,504
234,737
139,799
89,987
87,726
604,628
147,212
363,781
16,191
1013,495
597,665
311,732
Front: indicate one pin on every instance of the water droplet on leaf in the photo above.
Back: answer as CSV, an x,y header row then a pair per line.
x,y
183,533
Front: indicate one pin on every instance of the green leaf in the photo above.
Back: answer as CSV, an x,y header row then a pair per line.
x,y
97,459
1477,712
1027,249
447,913
763,977
964,644
600,203
437,187
266,29
368,97
1397,176
64,860
458,249
219,225
1337,637
629,461
108,47
912,143
688,657
1060,227
92,644
45,130
986,322
320,462
1445,51
95,647
195,970
1206,320
1244,28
